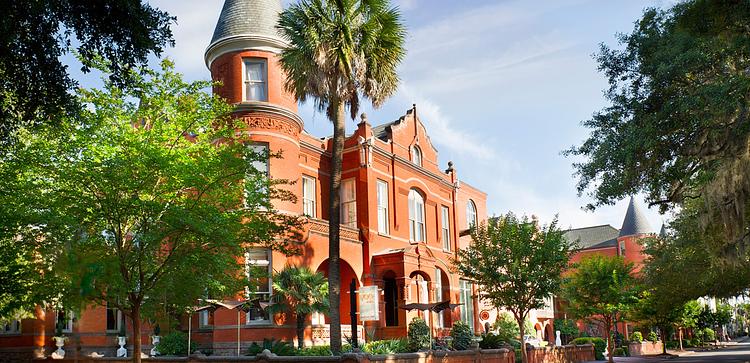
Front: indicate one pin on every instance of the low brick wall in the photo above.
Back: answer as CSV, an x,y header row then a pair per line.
x,y
565,354
645,348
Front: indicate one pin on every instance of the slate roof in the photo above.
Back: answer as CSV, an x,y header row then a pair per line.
x,y
593,237
381,131
635,221
247,17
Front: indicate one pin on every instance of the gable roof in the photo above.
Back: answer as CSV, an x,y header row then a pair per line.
x,y
593,237
635,221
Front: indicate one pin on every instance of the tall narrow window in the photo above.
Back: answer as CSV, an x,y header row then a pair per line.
x,y
467,309
256,175
258,269
64,319
416,216
203,318
439,295
308,196
382,207
114,319
256,76
416,155
471,214
349,203
11,327
446,228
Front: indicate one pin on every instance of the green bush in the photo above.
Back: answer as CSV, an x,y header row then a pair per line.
x,y
461,336
673,344
319,351
620,352
652,337
418,335
390,346
277,347
636,337
599,345
175,343
709,335
491,341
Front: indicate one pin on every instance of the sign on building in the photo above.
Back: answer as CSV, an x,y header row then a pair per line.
x,y
368,303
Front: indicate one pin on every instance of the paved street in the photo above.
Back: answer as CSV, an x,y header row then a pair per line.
x,y
735,353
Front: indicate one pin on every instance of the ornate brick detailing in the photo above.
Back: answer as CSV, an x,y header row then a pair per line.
x,y
258,122
321,227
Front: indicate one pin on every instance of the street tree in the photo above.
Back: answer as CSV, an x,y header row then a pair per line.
x,y
145,193
677,126
301,292
35,35
340,51
517,263
601,289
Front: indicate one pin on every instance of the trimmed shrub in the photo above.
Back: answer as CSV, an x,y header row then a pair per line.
x,y
652,337
462,336
319,351
636,337
491,341
599,345
418,335
620,352
277,347
390,346
175,343
709,335
673,344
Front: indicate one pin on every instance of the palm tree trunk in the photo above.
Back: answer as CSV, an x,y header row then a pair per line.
x,y
301,330
334,223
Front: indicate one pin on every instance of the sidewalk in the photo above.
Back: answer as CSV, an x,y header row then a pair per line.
x,y
675,353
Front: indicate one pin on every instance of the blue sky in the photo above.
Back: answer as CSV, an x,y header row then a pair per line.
x,y
502,87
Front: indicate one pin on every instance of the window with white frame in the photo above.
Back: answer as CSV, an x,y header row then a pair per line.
x,y
438,285
382,195
64,319
416,216
467,309
11,327
114,319
348,196
258,269
204,318
446,228
256,174
256,79
471,214
308,196
416,155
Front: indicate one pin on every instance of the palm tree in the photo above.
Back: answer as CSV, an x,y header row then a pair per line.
x,y
339,51
300,292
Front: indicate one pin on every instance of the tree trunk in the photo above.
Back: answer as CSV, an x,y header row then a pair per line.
x,y
610,341
301,330
664,341
334,223
521,330
680,332
136,318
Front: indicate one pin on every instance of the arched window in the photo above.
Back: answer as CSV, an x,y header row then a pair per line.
x,y
471,214
416,216
416,155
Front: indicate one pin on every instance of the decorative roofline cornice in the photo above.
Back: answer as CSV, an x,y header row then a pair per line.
x,y
256,106
243,42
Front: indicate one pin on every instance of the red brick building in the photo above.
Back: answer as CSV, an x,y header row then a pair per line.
x,y
403,213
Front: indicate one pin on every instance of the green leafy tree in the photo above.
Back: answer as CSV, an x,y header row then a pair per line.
x,y
677,126
517,263
338,52
601,289
301,292
651,310
35,86
140,197
568,329
688,318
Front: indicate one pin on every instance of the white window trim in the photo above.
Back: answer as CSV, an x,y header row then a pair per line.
x,y
384,229
466,291
342,202
471,206
267,171
68,324
269,293
204,318
414,224
309,199
245,81
118,320
416,155
445,228
12,327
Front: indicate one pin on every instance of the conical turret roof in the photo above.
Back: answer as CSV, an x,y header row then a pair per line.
x,y
246,24
635,221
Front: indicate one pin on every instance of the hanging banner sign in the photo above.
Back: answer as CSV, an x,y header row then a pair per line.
x,y
368,303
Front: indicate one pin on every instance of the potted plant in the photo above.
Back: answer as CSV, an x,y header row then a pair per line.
x,y
122,352
155,340
59,341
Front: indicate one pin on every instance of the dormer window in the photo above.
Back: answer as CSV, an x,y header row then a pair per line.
x,y
256,80
416,155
